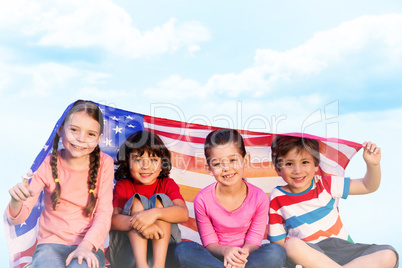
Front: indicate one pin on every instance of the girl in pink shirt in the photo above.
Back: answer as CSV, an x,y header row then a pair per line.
x,y
231,214
78,184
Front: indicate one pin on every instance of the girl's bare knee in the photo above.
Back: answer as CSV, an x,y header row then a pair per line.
x,y
136,206
158,203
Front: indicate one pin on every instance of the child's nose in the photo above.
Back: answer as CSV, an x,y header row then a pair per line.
x,y
225,165
145,163
296,168
80,137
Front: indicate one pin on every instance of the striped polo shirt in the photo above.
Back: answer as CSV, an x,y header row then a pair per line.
x,y
312,215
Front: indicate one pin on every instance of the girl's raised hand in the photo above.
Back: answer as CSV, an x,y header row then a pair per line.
x,y
372,153
20,192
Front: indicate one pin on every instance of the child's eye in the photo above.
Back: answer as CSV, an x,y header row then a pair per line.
x,y
288,164
73,129
154,159
135,158
92,134
216,164
306,162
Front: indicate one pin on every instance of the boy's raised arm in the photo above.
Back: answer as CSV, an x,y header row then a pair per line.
x,y
372,179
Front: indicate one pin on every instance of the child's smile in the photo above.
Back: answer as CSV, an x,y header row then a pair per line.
x,y
229,176
145,168
298,180
226,164
78,147
297,169
80,135
145,175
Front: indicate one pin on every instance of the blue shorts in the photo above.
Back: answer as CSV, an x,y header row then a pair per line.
x,y
120,251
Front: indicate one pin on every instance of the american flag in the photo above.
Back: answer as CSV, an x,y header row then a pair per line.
x,y
185,141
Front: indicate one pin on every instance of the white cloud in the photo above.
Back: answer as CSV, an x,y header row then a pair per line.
x,y
100,23
382,127
92,92
332,48
192,49
169,37
251,81
96,78
37,80
175,87
20,14
44,79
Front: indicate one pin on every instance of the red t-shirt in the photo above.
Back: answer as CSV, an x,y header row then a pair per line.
x,y
125,189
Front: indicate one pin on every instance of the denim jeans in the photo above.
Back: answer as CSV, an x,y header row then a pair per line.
x,y
193,255
55,255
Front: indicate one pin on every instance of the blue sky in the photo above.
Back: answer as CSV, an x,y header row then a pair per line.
x,y
329,68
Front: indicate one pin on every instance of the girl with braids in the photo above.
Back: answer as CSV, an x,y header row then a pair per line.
x,y
147,205
78,190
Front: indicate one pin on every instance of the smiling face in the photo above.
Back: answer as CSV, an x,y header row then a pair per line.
x,y
297,169
226,164
80,135
145,168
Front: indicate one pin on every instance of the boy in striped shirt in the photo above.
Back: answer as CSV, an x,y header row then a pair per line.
x,y
304,216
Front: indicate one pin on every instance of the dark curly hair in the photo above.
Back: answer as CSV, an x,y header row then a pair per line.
x,y
141,142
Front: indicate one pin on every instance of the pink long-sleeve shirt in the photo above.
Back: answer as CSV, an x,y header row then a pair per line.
x,y
231,228
67,224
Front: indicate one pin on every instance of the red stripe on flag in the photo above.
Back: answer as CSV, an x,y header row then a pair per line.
x,y
174,123
191,224
178,137
26,253
334,154
322,172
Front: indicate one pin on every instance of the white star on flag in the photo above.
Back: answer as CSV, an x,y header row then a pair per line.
x,y
108,142
117,129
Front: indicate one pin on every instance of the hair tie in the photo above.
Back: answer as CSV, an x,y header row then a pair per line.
x,y
91,191
56,180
